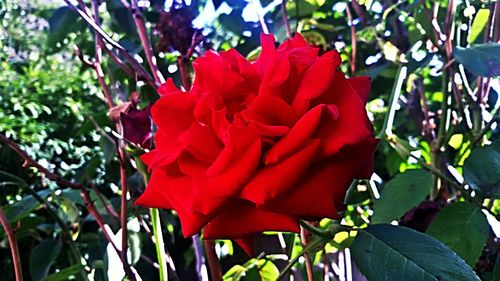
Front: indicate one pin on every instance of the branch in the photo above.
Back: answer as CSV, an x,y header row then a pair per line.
x,y
353,42
28,161
146,44
104,36
16,258
285,19
213,261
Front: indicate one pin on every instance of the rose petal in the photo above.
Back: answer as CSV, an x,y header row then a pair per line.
x,y
300,133
237,140
246,244
278,179
168,87
155,195
234,178
352,124
242,219
316,80
201,141
321,193
362,86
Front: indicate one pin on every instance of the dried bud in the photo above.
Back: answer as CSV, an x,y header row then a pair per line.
x,y
137,126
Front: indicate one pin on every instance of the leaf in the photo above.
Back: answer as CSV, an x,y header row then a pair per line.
x,y
478,24
61,23
482,59
262,270
42,257
463,227
65,273
482,170
401,194
385,252
24,207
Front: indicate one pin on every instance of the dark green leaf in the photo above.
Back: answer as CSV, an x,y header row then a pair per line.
x,y
61,23
42,257
401,194
463,227
482,59
385,252
65,273
482,170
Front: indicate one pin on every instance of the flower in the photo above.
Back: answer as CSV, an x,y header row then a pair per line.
x,y
255,146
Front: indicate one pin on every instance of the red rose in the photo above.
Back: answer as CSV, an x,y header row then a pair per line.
x,y
254,146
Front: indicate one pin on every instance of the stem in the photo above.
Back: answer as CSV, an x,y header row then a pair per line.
x,y
14,250
159,246
285,19
309,269
316,231
104,36
146,44
293,261
386,129
186,81
213,261
123,211
353,41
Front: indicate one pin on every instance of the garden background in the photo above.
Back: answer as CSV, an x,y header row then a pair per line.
x,y
69,146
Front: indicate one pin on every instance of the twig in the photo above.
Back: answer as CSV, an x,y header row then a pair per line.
x,y
304,240
83,191
14,250
123,201
146,44
478,138
213,261
133,62
186,83
353,42
285,19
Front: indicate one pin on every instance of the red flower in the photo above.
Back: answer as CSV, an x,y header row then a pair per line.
x,y
254,146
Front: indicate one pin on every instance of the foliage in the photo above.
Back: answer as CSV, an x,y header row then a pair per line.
x,y
434,105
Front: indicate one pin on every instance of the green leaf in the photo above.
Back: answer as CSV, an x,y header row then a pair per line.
x,y
482,170
42,257
262,270
463,227
65,273
385,252
401,194
478,24
235,273
482,59
61,23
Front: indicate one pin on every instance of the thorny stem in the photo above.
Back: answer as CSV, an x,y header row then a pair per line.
x,y
14,250
213,261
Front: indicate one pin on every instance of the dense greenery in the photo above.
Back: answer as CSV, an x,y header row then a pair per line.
x,y
434,104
